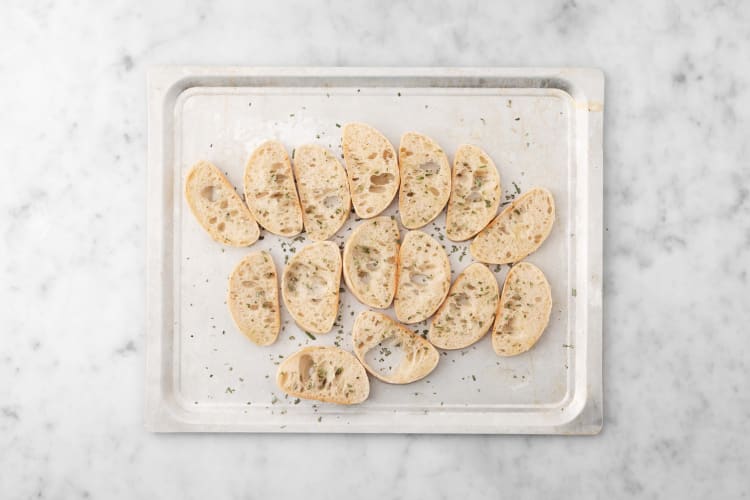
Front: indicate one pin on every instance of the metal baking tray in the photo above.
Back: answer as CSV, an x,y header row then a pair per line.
x,y
542,127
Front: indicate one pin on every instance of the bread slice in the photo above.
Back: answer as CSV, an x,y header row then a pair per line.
x,y
370,261
218,207
310,286
323,191
518,230
424,277
466,315
326,374
475,193
253,298
425,180
372,168
269,190
523,311
374,330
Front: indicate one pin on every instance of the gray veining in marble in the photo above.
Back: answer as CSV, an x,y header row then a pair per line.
x,y
677,248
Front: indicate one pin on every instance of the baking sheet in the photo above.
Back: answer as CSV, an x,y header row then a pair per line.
x,y
542,127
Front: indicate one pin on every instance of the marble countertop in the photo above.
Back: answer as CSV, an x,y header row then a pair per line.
x,y
677,249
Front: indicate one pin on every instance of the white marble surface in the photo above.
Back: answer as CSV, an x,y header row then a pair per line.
x,y
677,249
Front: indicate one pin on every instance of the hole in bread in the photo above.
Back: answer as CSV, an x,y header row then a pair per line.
x,y
221,226
261,194
332,201
277,195
419,279
212,220
305,368
369,210
474,197
210,193
280,178
434,191
372,156
364,277
379,181
386,357
461,299
429,168
224,204
387,154
248,284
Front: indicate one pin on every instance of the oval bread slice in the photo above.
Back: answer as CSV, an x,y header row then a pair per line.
x,y
466,315
370,261
523,311
310,286
373,329
475,193
254,298
269,190
372,168
218,208
323,191
326,374
518,230
424,277
425,180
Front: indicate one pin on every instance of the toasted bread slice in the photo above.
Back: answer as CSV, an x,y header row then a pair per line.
x,y
424,277
269,190
425,180
475,193
254,298
218,207
466,315
523,312
376,330
310,286
326,374
372,168
323,191
370,261
518,230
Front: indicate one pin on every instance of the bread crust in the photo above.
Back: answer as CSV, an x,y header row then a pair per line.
x,y
327,374
218,208
419,356
270,192
310,286
523,311
466,314
475,193
253,298
425,180
518,231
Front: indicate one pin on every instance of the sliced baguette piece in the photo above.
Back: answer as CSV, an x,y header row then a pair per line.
x,y
466,315
523,312
326,374
310,286
218,208
253,298
475,193
374,330
518,230
372,168
425,180
424,277
323,191
269,190
370,261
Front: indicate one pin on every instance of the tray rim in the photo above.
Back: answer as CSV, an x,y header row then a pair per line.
x,y
585,87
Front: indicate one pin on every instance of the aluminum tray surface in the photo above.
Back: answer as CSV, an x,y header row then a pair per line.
x,y
542,127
